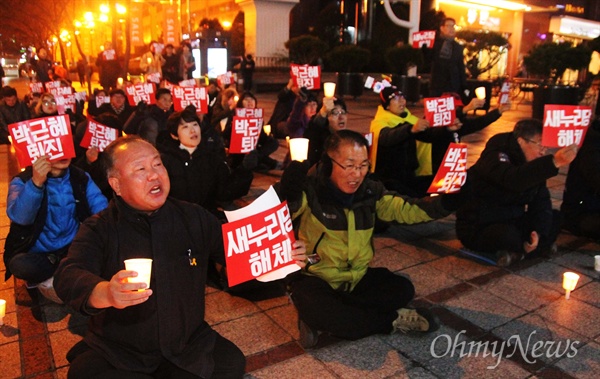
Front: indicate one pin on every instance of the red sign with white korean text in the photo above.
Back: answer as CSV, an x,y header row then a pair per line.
x,y
59,91
153,77
226,78
452,173
245,130
504,97
184,96
140,92
52,85
565,124
136,24
98,135
36,87
64,102
49,136
306,76
102,100
423,37
440,111
259,244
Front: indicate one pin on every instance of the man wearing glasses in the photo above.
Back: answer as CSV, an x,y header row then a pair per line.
x,y
334,211
331,117
509,214
447,62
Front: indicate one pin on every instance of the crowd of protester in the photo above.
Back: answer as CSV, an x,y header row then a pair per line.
x,y
336,197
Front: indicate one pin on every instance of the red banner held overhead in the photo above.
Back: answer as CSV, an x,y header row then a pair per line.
x,y
98,135
49,136
259,244
452,173
423,37
440,111
245,130
306,76
565,124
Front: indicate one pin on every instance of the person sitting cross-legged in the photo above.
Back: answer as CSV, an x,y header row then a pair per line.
x,y
335,209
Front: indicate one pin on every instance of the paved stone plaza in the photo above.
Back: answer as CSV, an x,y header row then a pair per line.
x,y
520,314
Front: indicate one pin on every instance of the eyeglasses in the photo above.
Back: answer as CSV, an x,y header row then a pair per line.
x,y
536,143
348,168
49,102
336,113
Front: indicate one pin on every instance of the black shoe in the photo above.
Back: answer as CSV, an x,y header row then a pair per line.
x,y
308,336
506,258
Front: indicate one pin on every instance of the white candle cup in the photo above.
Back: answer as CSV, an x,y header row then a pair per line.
x,y
329,89
597,263
143,267
569,283
299,149
267,129
120,82
480,92
2,311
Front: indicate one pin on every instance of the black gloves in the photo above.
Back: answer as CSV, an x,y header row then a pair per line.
x,y
293,180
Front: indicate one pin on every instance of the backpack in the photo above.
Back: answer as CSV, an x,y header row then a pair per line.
x,y
21,238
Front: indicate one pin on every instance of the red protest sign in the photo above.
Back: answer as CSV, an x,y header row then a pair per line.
x,y
102,100
452,173
49,136
423,37
64,102
226,78
36,87
259,244
245,130
440,111
504,96
52,85
184,96
306,76
140,92
565,124
153,77
98,135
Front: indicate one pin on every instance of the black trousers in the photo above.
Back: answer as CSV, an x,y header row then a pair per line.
x,y
369,309
509,236
584,224
230,363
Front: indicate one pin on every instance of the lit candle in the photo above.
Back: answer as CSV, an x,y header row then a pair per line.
x,y
2,311
329,89
120,82
267,129
143,267
480,92
149,60
299,149
569,282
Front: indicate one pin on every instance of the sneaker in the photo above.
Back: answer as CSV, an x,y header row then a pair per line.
x,y
46,288
418,320
506,258
308,336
